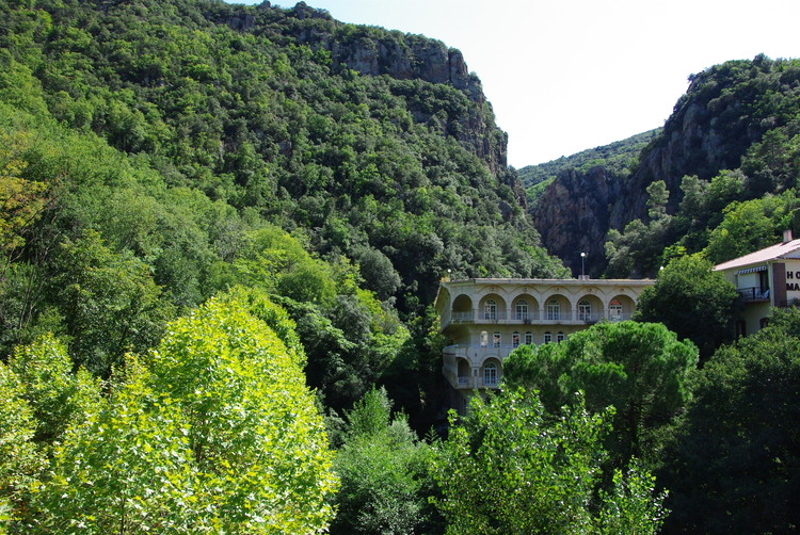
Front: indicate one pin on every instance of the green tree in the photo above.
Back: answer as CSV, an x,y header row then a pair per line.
x,y
640,369
57,396
384,471
510,468
109,301
20,459
214,431
734,465
693,301
750,225
636,251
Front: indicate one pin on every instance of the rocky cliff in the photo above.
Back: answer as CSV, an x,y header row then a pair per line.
x,y
725,111
374,51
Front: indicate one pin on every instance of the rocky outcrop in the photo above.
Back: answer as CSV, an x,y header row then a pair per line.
x,y
573,217
725,110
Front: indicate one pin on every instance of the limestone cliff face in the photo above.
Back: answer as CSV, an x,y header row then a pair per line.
x,y
374,51
574,217
722,114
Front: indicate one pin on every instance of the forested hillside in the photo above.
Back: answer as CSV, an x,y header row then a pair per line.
x,y
156,152
719,177
221,226
620,156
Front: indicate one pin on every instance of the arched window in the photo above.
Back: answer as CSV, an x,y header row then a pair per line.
x,y
490,374
490,310
553,310
521,310
560,336
484,339
528,338
584,310
615,310
515,339
496,340
548,337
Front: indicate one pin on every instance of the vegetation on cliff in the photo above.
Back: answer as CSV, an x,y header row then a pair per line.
x,y
727,160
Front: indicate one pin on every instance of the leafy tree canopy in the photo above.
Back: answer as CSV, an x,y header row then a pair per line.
x,y
735,461
640,369
693,301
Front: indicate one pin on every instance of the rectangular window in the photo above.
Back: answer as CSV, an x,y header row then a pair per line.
x,y
515,340
528,338
496,340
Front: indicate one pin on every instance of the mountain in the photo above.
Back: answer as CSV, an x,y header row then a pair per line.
x,y
157,153
732,138
618,156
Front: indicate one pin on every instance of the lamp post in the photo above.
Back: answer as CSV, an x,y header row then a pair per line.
x,y
583,265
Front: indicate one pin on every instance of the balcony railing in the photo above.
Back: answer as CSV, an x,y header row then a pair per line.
x,y
463,317
562,317
753,294
591,317
493,315
526,317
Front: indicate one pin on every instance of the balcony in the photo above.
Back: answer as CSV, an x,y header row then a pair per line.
x,y
563,317
463,317
751,295
591,318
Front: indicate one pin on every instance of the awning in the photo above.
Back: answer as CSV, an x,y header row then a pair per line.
x,y
752,269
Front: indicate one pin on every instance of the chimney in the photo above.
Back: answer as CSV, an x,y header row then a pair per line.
x,y
787,236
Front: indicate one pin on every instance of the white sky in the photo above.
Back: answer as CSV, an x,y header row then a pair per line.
x,y
569,75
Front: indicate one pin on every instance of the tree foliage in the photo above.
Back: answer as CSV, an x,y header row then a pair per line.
x,y
693,301
509,468
213,431
735,466
640,369
384,471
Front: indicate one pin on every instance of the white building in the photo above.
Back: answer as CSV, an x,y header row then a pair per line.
x,y
487,318
766,278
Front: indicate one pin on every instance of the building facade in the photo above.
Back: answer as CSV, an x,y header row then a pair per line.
x,y
486,319
766,278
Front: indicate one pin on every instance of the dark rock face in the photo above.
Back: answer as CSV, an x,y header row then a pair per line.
x,y
574,216
722,114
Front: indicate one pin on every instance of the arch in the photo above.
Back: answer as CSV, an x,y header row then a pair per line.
x,y
590,309
557,308
492,307
464,371
525,308
623,308
462,303
491,372
463,309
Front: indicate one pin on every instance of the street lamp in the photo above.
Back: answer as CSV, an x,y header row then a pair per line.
x,y
583,265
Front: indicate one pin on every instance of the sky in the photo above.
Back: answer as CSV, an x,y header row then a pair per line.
x,y
568,75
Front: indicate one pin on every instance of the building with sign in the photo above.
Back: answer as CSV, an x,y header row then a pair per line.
x,y
766,278
486,319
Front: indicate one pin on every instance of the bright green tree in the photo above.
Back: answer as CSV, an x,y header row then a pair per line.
x,y
510,468
57,395
693,301
214,431
20,459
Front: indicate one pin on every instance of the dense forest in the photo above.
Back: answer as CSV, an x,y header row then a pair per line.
x,y
222,228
